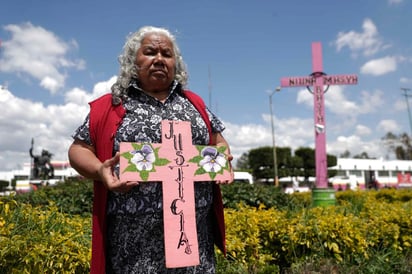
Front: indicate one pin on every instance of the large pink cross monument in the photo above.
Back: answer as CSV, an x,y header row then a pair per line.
x,y
318,80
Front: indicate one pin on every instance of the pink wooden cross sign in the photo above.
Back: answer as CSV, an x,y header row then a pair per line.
x,y
178,164
318,79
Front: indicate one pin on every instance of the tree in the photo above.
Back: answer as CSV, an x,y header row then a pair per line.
x,y
400,145
309,164
345,154
296,166
261,162
405,147
243,162
363,155
283,155
308,161
332,161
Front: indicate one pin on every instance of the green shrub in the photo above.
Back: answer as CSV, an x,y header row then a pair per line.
x,y
42,240
48,231
3,185
71,197
76,197
333,238
253,195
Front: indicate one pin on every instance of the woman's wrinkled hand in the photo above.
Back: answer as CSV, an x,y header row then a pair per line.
x,y
110,179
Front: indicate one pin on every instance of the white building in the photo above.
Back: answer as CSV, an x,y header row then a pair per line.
x,y
371,173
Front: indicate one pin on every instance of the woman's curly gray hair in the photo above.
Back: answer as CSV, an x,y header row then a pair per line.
x,y
128,69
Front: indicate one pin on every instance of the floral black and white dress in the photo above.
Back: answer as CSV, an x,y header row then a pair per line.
x,y
135,240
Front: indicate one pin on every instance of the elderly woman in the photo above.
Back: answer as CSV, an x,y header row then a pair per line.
x,y
127,216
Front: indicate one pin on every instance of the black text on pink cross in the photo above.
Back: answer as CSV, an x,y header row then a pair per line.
x,y
177,163
318,79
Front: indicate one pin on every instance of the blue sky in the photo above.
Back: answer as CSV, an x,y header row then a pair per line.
x,y
58,55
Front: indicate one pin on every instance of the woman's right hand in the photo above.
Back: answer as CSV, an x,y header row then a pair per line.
x,y
110,179
83,159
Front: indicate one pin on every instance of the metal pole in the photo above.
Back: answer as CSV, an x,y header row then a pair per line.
x,y
275,165
405,90
210,88
31,160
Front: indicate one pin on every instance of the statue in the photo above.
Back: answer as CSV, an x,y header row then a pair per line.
x,y
42,167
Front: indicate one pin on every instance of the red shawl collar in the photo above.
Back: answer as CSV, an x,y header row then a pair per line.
x,y
104,121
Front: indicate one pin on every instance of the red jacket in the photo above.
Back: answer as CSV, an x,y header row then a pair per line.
x,y
104,121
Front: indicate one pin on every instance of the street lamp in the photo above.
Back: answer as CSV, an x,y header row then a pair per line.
x,y
275,164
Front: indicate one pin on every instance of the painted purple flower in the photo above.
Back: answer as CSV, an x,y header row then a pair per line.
x,y
144,158
213,161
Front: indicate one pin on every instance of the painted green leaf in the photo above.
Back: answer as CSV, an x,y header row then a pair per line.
x,y
212,175
221,149
161,162
127,155
130,168
196,159
137,146
144,174
200,171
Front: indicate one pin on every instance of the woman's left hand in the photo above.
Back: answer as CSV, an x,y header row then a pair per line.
x,y
230,180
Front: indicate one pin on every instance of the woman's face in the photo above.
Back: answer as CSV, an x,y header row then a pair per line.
x,y
155,61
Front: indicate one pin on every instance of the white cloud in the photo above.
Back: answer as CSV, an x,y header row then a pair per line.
x,y
292,132
405,80
388,126
242,138
77,96
363,130
380,66
367,42
103,87
39,53
50,83
399,105
304,97
344,110
336,101
295,132
371,101
355,145
395,2
17,127
51,126
82,97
